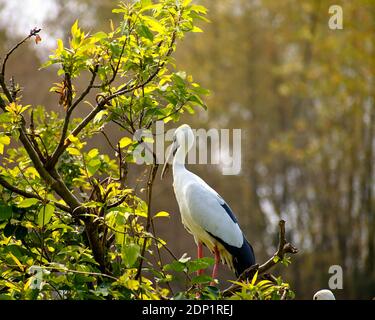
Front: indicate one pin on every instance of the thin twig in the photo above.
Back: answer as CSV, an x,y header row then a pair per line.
x,y
33,33
87,90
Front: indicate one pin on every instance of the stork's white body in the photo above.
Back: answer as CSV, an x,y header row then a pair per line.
x,y
201,211
204,213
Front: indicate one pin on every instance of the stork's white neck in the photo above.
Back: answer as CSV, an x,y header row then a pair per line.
x,y
179,159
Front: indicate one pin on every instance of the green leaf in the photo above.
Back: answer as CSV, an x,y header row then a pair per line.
x,y
4,140
93,153
73,151
161,214
178,78
196,99
26,203
200,264
214,292
6,117
130,254
201,279
93,166
254,278
100,35
154,24
5,212
94,163
75,30
175,266
60,47
196,29
199,8
145,32
45,214
125,141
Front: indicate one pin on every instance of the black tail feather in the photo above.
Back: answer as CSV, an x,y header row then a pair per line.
x,y
243,257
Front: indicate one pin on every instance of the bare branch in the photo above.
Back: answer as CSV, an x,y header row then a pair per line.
x,y
284,247
5,89
32,33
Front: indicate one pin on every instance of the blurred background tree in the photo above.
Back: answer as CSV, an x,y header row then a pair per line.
x,y
302,94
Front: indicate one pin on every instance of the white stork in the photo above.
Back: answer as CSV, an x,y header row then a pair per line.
x,y
204,213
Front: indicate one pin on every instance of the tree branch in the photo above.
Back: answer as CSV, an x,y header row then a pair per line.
x,y
2,104
27,194
284,247
87,90
33,135
57,153
115,71
33,33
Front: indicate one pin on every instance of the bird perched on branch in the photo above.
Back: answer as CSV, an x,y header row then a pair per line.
x,y
204,212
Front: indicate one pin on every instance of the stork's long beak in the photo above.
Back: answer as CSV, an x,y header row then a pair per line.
x,y
172,150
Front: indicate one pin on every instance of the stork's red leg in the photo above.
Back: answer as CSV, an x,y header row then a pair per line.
x,y
200,255
216,265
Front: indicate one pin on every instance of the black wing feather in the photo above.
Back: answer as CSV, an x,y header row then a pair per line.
x,y
229,212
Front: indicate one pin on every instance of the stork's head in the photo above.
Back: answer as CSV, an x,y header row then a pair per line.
x,y
183,140
324,294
